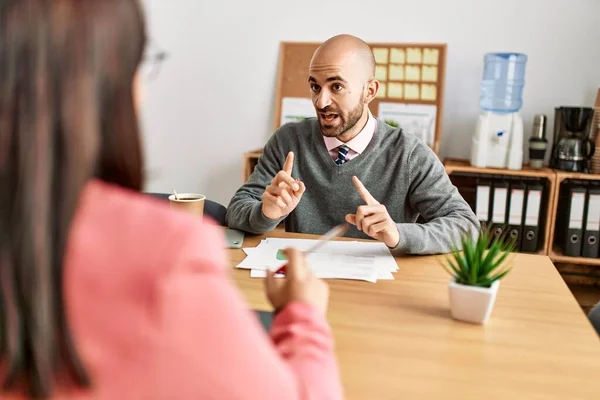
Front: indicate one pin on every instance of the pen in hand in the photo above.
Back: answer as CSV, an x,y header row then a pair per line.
x,y
339,230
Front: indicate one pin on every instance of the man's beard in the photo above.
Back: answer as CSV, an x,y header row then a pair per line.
x,y
346,123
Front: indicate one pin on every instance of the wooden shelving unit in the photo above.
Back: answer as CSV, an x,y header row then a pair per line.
x,y
557,255
249,162
454,165
554,252
555,178
562,175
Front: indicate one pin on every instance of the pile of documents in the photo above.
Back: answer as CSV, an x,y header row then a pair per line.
x,y
367,261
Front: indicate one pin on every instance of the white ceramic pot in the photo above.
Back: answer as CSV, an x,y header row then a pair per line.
x,y
472,303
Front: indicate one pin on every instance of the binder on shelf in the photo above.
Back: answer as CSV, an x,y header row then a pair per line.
x,y
574,234
499,202
482,201
591,230
466,183
515,213
531,222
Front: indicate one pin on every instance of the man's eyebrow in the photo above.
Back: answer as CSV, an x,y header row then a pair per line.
x,y
336,78
330,79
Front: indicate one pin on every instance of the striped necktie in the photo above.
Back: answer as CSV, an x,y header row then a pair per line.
x,y
342,154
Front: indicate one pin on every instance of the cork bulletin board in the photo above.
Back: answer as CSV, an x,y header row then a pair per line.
x,y
411,93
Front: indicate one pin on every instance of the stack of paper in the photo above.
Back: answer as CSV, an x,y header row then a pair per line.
x,y
367,261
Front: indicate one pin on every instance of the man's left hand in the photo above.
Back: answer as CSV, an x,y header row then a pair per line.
x,y
373,218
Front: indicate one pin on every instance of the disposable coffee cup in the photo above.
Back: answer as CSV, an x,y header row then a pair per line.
x,y
190,202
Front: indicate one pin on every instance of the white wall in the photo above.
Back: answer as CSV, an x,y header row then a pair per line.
x,y
213,98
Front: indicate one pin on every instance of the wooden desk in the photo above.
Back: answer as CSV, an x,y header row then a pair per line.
x,y
396,339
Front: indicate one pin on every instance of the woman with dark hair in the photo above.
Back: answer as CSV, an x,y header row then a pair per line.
x,y
105,293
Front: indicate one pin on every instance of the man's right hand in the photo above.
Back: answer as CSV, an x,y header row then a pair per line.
x,y
283,193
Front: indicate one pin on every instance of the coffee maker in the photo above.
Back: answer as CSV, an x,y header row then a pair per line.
x,y
572,147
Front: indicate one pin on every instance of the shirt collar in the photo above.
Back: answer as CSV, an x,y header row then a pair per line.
x,y
358,143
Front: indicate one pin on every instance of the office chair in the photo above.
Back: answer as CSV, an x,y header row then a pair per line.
x,y
212,209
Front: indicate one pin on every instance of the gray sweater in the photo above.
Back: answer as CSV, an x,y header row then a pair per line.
x,y
397,168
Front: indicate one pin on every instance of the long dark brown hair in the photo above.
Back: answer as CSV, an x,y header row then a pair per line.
x,y
67,115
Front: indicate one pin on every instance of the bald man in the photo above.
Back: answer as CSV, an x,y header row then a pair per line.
x,y
346,165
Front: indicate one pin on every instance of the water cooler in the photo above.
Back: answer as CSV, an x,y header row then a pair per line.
x,y
498,138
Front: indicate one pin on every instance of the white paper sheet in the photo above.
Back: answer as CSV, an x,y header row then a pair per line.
x,y
261,273
378,251
418,119
367,261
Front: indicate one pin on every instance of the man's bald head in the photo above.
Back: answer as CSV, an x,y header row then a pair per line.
x,y
342,84
346,50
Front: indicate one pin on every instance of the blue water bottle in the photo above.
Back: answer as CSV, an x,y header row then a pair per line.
x,y
503,81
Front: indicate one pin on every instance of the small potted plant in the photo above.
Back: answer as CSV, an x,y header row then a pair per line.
x,y
476,272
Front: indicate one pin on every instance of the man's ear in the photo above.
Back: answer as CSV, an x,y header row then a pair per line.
x,y
372,89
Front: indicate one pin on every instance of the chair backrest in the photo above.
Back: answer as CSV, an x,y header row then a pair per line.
x,y
212,209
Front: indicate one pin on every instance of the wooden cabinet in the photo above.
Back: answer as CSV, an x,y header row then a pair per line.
x,y
461,168
249,163
555,180
555,251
